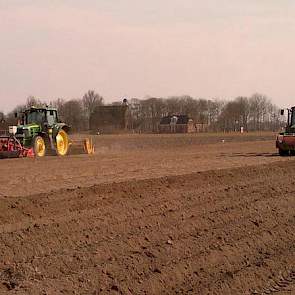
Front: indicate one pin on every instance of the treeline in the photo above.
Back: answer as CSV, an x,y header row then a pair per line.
x,y
252,113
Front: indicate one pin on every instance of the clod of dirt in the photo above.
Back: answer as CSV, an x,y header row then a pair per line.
x,y
157,270
150,254
255,223
10,278
115,288
169,242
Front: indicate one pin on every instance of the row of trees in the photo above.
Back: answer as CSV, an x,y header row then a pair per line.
x,y
252,113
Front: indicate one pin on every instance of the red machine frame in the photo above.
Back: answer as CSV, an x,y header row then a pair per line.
x,y
10,147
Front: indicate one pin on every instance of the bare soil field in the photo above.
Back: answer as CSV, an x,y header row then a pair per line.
x,y
183,214
121,157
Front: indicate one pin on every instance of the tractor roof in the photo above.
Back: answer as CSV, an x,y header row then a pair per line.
x,y
32,109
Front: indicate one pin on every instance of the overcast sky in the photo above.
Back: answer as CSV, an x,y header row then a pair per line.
x,y
136,48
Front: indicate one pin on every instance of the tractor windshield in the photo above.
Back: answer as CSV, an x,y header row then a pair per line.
x,y
37,117
51,117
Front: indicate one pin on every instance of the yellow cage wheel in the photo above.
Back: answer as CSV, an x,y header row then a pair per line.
x,y
62,143
39,146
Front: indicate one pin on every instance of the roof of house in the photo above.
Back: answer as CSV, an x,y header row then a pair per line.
x,y
181,119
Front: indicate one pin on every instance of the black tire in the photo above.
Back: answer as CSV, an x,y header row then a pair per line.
x,y
39,146
292,153
283,153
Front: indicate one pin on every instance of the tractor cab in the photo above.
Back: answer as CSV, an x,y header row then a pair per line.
x,y
290,128
43,116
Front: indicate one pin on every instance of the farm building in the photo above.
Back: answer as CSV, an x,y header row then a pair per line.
x,y
109,119
176,124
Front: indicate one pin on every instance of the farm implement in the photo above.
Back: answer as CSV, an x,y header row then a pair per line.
x,y
40,133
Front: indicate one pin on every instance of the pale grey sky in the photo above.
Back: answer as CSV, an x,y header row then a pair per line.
x,y
135,48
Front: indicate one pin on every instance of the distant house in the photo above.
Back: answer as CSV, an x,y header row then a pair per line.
x,y
176,124
109,119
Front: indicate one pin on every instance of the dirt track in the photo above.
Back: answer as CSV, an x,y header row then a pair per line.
x,y
204,218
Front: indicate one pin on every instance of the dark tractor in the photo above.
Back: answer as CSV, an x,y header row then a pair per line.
x,y
285,142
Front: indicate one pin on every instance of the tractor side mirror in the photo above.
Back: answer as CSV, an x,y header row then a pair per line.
x,y
15,115
282,112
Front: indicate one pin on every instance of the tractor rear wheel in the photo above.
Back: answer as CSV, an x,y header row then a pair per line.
x,y
39,146
62,143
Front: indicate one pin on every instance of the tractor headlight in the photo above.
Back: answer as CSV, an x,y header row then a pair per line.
x,y
50,130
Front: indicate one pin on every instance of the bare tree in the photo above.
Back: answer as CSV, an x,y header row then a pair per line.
x,y
258,110
91,100
243,110
72,113
214,110
34,102
58,104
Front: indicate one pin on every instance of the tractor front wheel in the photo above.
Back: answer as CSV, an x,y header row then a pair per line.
x,y
62,143
39,146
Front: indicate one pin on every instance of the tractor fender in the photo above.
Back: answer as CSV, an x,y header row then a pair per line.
x,y
61,126
66,128
42,134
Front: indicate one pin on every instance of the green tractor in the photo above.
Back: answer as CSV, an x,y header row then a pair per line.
x,y
41,131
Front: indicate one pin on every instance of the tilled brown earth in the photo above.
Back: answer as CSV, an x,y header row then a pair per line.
x,y
22,177
228,231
